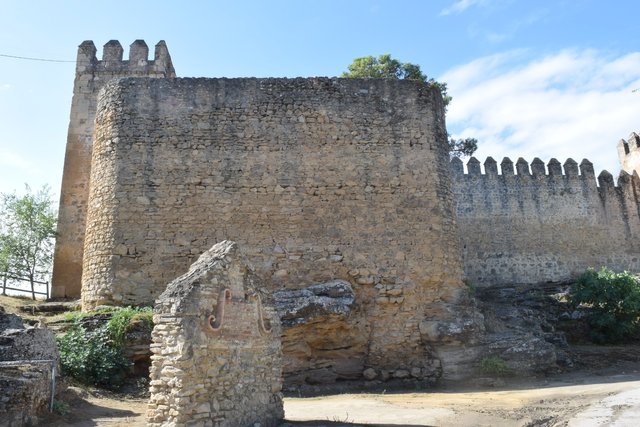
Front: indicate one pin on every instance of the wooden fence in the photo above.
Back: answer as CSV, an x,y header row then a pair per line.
x,y
11,279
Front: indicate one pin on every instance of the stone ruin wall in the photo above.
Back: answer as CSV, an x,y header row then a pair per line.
x,y
91,75
216,348
544,223
316,179
28,362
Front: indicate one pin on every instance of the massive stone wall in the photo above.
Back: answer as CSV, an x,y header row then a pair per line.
x,y
91,76
317,179
542,225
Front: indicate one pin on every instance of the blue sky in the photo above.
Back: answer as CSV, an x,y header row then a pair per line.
x,y
529,78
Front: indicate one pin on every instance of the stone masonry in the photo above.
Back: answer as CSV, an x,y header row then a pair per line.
x,y
629,154
216,358
541,224
316,179
28,362
91,76
322,180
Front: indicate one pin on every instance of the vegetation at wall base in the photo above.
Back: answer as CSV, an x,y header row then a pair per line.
x,y
494,365
96,356
613,303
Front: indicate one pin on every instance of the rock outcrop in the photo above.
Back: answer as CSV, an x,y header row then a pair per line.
x,y
28,362
300,306
322,340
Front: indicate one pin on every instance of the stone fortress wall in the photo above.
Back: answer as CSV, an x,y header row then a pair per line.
x,y
315,179
541,224
320,180
91,75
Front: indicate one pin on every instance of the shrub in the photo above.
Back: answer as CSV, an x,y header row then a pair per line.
x,y
494,365
122,318
61,407
613,300
96,356
91,358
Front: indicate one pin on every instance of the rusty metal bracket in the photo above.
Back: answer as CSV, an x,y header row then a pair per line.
x,y
216,320
264,327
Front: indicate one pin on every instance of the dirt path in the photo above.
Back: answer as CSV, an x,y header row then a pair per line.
x,y
577,399
553,405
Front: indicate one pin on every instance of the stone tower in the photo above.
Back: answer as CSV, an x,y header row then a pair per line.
x,y
629,154
91,75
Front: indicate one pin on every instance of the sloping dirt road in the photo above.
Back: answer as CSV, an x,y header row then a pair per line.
x,y
577,399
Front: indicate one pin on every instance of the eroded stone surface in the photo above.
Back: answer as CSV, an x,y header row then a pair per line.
x,y
28,357
216,348
296,306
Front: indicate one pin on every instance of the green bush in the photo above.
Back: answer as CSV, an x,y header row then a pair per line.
x,y
494,365
61,407
122,318
96,356
613,300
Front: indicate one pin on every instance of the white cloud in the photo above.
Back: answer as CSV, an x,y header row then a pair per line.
x,y
460,6
576,104
5,86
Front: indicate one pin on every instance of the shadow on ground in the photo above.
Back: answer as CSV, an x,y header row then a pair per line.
x,y
345,424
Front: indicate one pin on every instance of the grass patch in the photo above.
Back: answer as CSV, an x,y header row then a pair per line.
x,y
494,365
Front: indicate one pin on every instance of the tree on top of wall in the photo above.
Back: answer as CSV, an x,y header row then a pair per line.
x,y
386,67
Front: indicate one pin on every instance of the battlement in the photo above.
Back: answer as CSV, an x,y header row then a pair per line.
x,y
539,170
629,153
626,147
112,59
543,222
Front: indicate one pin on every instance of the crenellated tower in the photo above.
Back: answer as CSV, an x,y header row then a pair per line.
x,y
629,154
91,75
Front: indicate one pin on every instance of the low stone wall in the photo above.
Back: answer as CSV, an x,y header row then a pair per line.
x,y
25,392
217,357
28,359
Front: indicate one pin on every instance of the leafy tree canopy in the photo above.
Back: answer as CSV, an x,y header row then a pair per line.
x,y
27,231
462,147
386,67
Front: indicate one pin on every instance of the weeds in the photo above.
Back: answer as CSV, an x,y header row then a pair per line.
x,y
494,365
96,356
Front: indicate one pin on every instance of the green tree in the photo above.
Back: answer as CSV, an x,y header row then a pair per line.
x,y
462,147
5,261
613,304
386,67
27,232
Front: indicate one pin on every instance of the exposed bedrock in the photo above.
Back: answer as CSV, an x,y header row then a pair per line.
x,y
28,355
324,336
